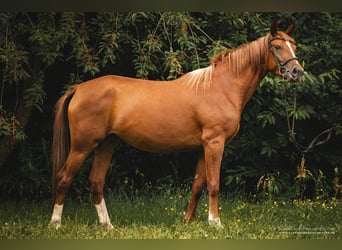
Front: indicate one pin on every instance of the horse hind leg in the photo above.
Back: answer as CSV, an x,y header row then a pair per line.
x,y
64,180
102,158
197,189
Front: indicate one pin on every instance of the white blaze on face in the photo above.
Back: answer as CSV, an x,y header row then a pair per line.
x,y
291,50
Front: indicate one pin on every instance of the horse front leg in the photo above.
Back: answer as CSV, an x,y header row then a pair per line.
x,y
213,150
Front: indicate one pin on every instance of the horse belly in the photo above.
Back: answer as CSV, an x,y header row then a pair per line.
x,y
156,132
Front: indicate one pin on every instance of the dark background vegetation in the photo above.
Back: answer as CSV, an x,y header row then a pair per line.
x,y
41,54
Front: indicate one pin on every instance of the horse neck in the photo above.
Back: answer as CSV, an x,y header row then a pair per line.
x,y
239,83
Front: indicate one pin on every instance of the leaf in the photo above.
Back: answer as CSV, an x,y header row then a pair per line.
x,y
267,150
265,118
35,95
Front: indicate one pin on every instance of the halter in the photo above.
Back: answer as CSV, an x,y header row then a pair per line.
x,y
281,66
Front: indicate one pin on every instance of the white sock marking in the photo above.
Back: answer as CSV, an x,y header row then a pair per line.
x,y
56,218
103,214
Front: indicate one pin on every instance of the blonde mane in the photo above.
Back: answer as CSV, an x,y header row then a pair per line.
x,y
200,77
237,59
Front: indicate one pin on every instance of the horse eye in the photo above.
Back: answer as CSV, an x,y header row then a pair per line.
x,y
277,46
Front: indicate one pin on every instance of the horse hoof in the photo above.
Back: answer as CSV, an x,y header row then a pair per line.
x,y
107,227
55,224
188,220
216,223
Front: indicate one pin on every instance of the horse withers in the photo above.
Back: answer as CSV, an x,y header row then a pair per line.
x,y
199,111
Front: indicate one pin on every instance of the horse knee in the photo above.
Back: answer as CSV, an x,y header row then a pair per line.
x,y
197,188
96,185
63,184
213,188
62,188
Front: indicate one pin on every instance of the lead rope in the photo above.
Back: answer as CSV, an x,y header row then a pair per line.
x,y
291,129
292,134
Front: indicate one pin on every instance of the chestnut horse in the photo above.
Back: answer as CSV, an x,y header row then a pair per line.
x,y
199,111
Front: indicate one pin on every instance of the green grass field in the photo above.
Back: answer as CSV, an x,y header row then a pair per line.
x,y
160,216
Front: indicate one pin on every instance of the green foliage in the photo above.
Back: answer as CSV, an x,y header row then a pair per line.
x,y
9,126
35,95
45,40
267,186
28,182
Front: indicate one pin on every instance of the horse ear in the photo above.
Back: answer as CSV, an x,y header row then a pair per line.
x,y
274,28
290,29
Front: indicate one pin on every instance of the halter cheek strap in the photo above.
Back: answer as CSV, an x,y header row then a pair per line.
x,y
281,66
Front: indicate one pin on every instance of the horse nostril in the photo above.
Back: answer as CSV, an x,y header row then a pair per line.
x,y
294,71
297,72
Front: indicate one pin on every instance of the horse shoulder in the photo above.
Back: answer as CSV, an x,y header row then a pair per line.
x,y
219,119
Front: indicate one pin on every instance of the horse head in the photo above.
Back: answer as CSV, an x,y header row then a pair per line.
x,y
282,59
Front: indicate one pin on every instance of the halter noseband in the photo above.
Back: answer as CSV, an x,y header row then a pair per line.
x,y
281,66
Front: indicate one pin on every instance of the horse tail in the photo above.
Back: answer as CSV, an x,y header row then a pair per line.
x,y
61,136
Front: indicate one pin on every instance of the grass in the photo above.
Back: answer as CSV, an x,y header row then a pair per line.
x,y
160,216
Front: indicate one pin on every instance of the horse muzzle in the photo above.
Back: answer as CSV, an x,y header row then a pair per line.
x,y
292,73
